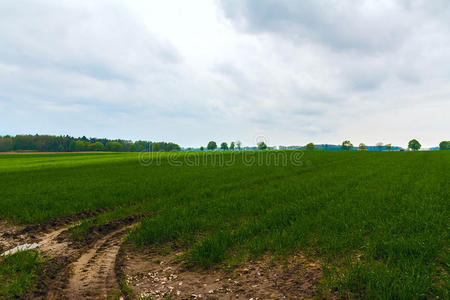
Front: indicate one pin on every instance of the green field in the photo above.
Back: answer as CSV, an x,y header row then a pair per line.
x,y
378,221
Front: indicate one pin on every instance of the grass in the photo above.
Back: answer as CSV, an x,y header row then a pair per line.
x,y
18,273
377,220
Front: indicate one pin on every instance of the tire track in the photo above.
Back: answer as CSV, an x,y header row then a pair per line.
x,y
93,274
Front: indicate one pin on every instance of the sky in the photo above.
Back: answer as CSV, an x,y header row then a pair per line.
x,y
287,72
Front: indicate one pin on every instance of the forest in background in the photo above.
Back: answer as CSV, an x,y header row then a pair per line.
x,y
50,143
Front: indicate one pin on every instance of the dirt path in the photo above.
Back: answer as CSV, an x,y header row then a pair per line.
x,y
83,271
49,245
93,273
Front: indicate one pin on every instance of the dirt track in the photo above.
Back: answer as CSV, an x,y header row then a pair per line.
x,y
93,273
88,271
73,271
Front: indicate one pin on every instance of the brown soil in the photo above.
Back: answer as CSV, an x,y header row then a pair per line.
x,y
71,269
86,270
160,276
94,268
14,235
94,271
10,237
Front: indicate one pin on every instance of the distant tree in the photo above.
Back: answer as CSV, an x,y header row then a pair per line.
x,y
157,147
171,147
142,146
6,144
444,145
46,143
24,142
211,145
81,145
309,146
224,146
379,146
232,146
388,147
346,145
114,146
362,146
72,146
414,145
202,148
262,146
238,145
97,146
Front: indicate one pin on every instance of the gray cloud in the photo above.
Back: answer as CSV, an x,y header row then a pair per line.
x,y
190,72
341,25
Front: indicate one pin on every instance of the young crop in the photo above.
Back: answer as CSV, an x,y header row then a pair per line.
x,y
378,221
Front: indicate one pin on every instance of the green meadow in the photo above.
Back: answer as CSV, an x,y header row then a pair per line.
x,y
378,221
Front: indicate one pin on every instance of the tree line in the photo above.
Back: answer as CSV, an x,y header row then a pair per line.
x,y
50,143
413,145
212,145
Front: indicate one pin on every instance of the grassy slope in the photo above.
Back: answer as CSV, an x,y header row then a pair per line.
x,y
18,273
389,209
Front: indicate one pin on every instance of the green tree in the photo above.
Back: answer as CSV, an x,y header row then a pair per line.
x,y
388,147
171,147
346,145
238,145
6,144
202,148
211,145
262,146
414,145
72,146
24,142
81,145
362,146
157,147
444,145
309,146
97,146
114,146
232,146
224,146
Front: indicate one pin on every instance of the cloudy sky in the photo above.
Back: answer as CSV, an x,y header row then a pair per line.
x,y
192,71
